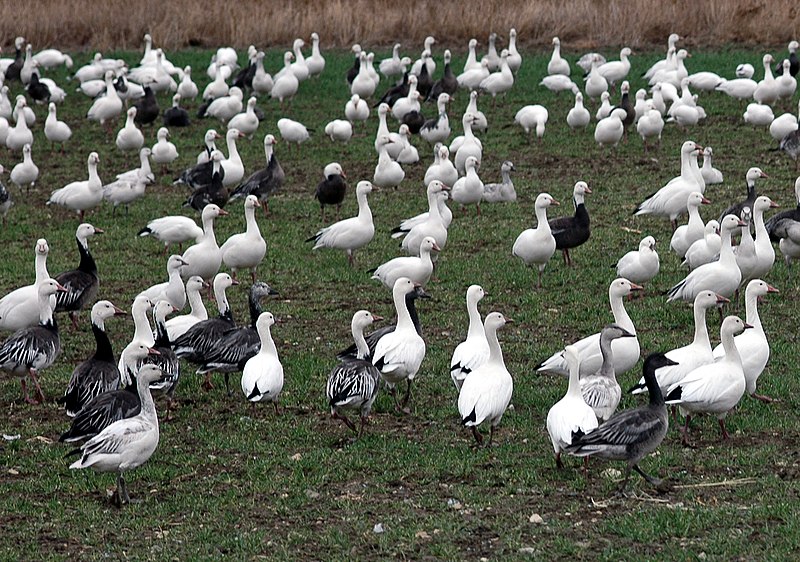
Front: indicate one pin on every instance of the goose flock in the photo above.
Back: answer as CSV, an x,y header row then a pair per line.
x,y
111,403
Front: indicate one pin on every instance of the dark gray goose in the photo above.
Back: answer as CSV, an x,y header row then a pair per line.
x,y
14,69
752,175
28,351
166,359
147,109
353,383
237,345
212,193
176,116
332,189
104,409
447,84
600,390
571,232
630,435
395,92
201,174
266,181
791,214
38,90
99,373
81,284
195,344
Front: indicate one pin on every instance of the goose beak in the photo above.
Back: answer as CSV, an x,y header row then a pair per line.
x,y
223,212
773,205
60,288
436,247
234,282
635,287
721,299
586,189
763,175
705,201
771,289
741,223
699,148
151,351
508,320
746,325
554,202
119,312
446,187
376,318
206,285
183,261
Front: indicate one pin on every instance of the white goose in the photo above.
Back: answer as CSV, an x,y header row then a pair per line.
x,y
503,191
130,137
178,325
387,173
55,130
438,129
20,308
163,152
408,153
418,269
784,124
444,211
339,130
650,125
609,130
469,145
499,82
173,290
81,196
557,64
532,117
392,66
246,250
468,190
605,106
616,70
173,230
285,84
363,84
474,350
766,91
745,252
20,135
471,79
626,350
26,172
686,234
758,115
537,245
472,61
433,225
292,131
399,354
664,63
299,66
786,83
410,102
704,250
349,234
262,80
316,62
596,84
262,376
356,109
642,265
225,107
711,176
765,253
559,83
204,258
217,88
514,57
715,388
578,117
107,107
187,89
479,122
442,169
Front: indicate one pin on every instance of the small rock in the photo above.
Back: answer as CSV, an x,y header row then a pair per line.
x,y
296,457
611,474
311,494
702,556
422,535
378,528
529,550
13,471
536,519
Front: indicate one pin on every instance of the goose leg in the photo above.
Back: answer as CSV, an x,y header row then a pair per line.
x,y
621,489
407,397
361,427
764,398
39,392
685,432
559,462
345,419
491,435
277,409
650,479
722,429
477,435
24,385
227,384
74,317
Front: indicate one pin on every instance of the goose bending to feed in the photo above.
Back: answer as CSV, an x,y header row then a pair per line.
x,y
205,257
723,276
172,230
331,190
535,246
600,389
265,181
630,435
30,350
792,214
20,308
691,356
753,175
503,191
532,118
474,350
99,373
128,443
81,284
262,376
178,325
349,234
571,417
626,350
486,392
353,383
642,265
81,196
571,232
752,344
418,269
686,234
173,290
714,388
246,250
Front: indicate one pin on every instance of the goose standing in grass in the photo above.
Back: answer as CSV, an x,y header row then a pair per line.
x,y
108,107
706,249
232,166
766,91
474,350
212,193
332,189
437,129
609,130
245,250
339,130
571,417
81,196
26,172
205,257
532,117
557,64
163,152
226,107
262,80
349,234
630,435
468,190
486,392
596,84
20,135
792,214
600,389
470,146
714,388
130,137
443,170
126,190
285,83
499,82
765,253
752,344
20,308
642,265
81,284
128,443
418,269
711,175
446,217
316,62
578,117
535,246
433,225
745,252
784,125
54,130
176,116
685,235
356,109
172,230
262,376
353,383
503,191
387,173
178,325
626,350
30,350
265,181
217,88
173,290
392,66
650,125
605,107
571,232
165,359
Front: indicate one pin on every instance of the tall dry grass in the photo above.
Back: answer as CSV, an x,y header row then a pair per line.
x,y
106,24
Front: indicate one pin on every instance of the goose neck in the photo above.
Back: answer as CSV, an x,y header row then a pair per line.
x,y
362,349
46,311
700,327
621,316
403,316
495,353
41,268
751,312
146,398
267,343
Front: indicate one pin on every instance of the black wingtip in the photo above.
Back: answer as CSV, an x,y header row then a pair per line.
x,y
675,395
255,393
470,418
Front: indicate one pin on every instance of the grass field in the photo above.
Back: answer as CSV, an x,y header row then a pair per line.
x,y
231,481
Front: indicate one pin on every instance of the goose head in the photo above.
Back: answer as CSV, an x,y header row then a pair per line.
x,y
759,288
103,310
696,199
175,262
475,293
428,244
333,169
614,331
402,287
733,325
362,319
364,187
49,287
508,166
436,186
223,281
149,373
648,243
545,200
753,174
730,223
196,283
495,320
265,321
212,211
708,299
762,203
621,287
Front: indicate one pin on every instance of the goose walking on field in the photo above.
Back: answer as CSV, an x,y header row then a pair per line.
x,y
81,284
163,152
532,118
468,190
130,137
557,64
265,181
571,232
418,269
54,130
178,325
20,308
205,257
173,290
172,230
81,196
711,175
600,389
262,376
642,265
474,350
26,172
535,246
486,392
331,190
503,191
246,250
578,117
349,234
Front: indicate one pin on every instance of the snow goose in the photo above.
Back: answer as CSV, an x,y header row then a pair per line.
x,y
491,55
596,83
792,214
557,64
20,135
26,172
126,189
605,106
711,175
714,388
81,284
339,130
187,89
262,377
433,225
349,234
578,117
408,103
173,290
705,81
738,88
633,434
172,230
758,115
537,245
392,66
444,171
486,391
704,250
438,129
20,308
745,70
285,83
752,175
218,87
783,125
299,66
444,211
723,276
21,108
691,356
616,70
125,444
765,253
387,173
29,350
670,201
640,104
752,344
626,350
745,252
787,231
130,137
51,58
650,125
316,62
685,235
363,84
332,189
356,109
600,389
12,68
225,107
609,130
107,107
570,417
178,325
786,84
674,73
212,193
81,196
659,65
499,82
571,232
472,79
532,117
399,354
165,359
418,269
262,81
503,191
469,146
468,190
474,350
766,91
246,122
642,265
204,257
163,151
353,383
245,250
416,68
54,130
265,181
292,131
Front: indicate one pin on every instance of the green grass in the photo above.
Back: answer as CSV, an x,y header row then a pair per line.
x,y
231,481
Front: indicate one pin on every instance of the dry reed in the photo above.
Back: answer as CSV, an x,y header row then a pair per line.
x,y
581,24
